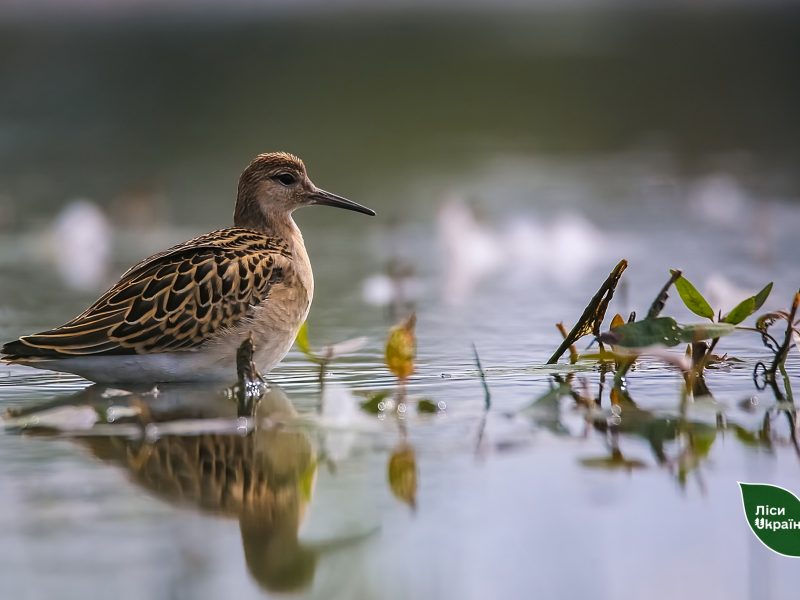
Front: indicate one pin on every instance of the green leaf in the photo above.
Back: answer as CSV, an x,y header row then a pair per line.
x,y
705,331
773,514
748,306
663,331
302,340
748,438
426,406
702,440
549,400
693,299
740,312
374,404
305,483
762,296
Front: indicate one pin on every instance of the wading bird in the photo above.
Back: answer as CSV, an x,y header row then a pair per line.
x,y
181,314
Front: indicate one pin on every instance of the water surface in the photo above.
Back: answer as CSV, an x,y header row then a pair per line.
x,y
512,165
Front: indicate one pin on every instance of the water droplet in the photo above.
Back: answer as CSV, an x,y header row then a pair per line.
x,y
151,432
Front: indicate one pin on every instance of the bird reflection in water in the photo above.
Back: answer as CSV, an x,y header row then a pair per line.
x,y
264,478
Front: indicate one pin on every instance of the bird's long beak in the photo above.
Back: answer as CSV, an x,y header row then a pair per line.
x,y
327,199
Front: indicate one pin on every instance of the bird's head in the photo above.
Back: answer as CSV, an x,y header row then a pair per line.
x,y
274,185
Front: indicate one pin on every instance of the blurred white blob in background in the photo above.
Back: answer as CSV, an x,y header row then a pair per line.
x,y
722,294
398,286
524,249
718,199
81,244
562,250
471,249
378,290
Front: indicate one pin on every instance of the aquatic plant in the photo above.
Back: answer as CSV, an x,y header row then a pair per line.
x,y
401,348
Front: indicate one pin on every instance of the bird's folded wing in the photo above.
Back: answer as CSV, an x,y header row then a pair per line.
x,y
175,300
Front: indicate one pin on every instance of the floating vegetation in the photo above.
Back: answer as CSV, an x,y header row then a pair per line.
x,y
654,336
680,438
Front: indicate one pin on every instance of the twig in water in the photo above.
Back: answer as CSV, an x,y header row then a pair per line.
x,y
780,351
658,304
573,353
592,317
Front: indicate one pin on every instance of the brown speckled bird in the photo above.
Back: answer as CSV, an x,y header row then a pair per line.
x,y
181,314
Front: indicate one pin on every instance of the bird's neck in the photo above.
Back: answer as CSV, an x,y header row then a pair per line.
x,y
302,264
282,225
278,224
273,223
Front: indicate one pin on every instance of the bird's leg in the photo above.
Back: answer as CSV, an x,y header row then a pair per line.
x,y
250,384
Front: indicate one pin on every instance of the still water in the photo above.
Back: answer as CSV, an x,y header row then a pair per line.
x,y
511,165
192,503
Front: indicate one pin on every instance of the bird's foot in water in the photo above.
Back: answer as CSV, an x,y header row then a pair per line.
x,y
250,385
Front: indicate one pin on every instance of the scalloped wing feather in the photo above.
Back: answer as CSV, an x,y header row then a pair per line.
x,y
176,300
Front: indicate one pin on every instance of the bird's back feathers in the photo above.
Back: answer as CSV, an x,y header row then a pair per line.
x,y
176,300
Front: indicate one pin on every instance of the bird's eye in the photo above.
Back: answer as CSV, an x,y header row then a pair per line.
x,y
286,178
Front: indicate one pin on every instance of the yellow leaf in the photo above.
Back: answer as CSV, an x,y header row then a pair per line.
x,y
302,340
401,347
403,475
615,396
305,483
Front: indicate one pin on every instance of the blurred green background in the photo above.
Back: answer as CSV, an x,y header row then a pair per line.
x,y
171,100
